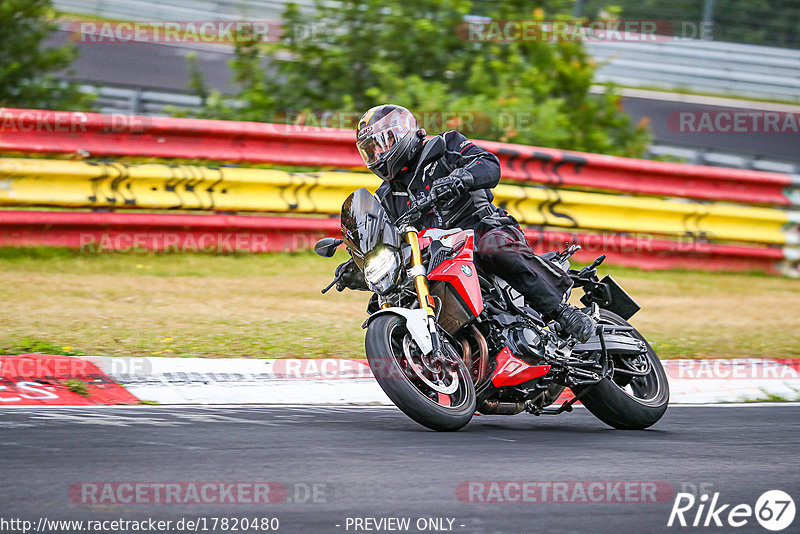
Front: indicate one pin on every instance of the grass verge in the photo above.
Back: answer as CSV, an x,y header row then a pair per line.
x,y
77,386
265,306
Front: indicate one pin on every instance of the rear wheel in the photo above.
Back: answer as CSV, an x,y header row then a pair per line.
x,y
438,394
626,401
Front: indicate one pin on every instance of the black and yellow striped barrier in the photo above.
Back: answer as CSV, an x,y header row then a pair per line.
x,y
157,186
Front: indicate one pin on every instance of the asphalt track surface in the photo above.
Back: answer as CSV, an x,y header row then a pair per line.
x,y
163,67
374,462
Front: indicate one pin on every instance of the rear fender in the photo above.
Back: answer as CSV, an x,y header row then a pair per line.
x,y
416,322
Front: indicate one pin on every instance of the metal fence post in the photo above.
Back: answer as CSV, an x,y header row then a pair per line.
x,y
577,11
136,101
706,32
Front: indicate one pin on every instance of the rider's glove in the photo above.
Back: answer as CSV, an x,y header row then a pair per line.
x,y
351,277
453,186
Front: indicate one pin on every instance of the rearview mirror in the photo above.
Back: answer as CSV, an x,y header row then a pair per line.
x,y
326,247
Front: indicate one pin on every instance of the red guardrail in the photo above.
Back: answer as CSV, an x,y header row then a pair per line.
x,y
173,232
94,232
92,134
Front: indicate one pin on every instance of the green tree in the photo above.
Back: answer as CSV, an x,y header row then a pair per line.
x,y
421,54
26,67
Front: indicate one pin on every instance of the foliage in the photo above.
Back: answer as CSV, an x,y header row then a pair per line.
x,y
37,346
420,54
27,67
77,386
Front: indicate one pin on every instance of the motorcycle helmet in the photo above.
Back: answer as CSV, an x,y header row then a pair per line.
x,y
387,139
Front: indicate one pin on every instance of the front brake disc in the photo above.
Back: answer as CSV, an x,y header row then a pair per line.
x,y
440,387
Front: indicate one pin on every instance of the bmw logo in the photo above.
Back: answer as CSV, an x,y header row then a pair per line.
x,y
466,270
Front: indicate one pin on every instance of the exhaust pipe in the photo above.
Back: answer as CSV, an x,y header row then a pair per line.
x,y
493,407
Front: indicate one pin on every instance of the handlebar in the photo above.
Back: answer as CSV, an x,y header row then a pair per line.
x,y
338,276
595,264
416,211
329,286
569,250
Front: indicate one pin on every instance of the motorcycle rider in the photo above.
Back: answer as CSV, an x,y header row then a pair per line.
x,y
461,175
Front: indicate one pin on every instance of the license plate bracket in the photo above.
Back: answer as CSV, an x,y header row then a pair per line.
x,y
608,294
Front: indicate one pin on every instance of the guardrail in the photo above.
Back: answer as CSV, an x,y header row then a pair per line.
x,y
706,156
543,188
95,232
92,134
38,182
181,9
140,101
700,65
103,232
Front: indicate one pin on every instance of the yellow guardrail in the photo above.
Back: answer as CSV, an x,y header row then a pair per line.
x,y
159,186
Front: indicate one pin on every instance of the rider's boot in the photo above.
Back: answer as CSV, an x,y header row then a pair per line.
x,y
575,322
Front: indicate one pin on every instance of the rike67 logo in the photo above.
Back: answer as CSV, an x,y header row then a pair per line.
x,y
774,510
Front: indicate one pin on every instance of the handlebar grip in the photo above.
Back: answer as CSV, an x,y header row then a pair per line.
x,y
600,259
596,263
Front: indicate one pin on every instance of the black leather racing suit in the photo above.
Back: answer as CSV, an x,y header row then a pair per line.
x,y
501,246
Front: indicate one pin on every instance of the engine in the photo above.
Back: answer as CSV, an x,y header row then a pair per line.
x,y
526,343
522,339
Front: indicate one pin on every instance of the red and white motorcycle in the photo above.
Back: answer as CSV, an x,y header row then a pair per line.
x,y
444,340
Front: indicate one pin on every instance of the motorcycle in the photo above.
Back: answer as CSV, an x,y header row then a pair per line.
x,y
445,341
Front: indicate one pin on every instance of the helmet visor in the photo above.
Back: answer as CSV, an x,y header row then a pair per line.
x,y
378,138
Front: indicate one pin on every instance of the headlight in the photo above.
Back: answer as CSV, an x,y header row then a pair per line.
x,y
382,270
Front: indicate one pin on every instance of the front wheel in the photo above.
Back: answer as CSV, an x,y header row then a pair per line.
x,y
623,400
438,394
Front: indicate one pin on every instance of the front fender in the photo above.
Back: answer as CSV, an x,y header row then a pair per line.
x,y
416,322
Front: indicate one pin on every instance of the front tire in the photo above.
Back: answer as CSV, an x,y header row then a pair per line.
x,y
388,359
625,403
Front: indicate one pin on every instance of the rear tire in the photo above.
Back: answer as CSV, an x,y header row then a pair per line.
x,y
609,401
384,358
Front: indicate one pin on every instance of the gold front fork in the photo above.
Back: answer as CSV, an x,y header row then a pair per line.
x,y
418,271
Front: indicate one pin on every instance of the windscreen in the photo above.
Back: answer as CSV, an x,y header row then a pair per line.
x,y
365,225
